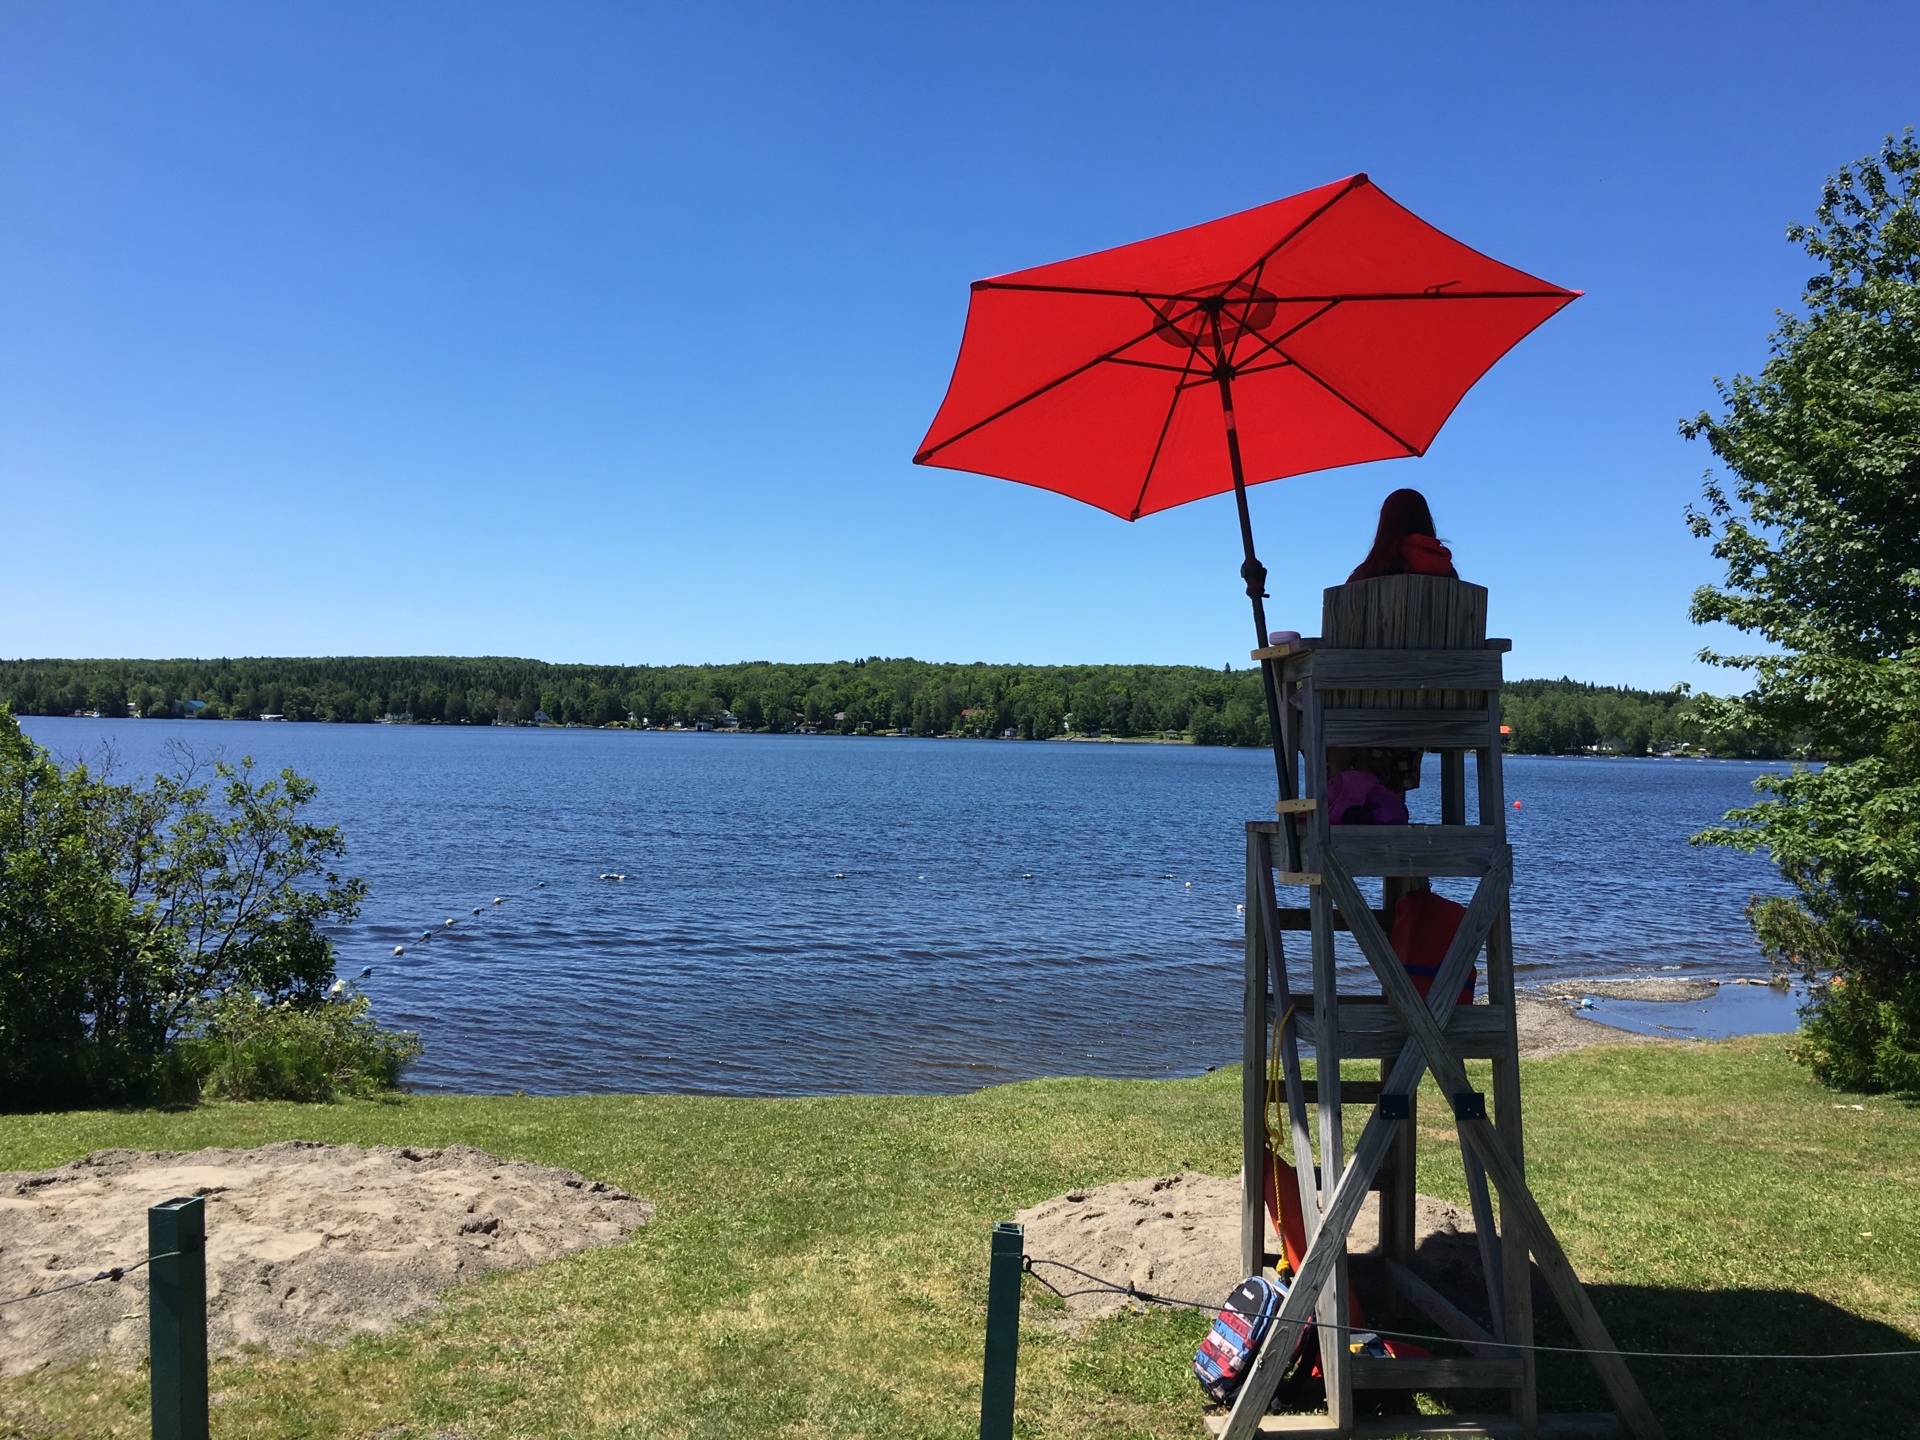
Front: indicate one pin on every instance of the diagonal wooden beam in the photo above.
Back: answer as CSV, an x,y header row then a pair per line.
x,y
1326,1247
1451,1075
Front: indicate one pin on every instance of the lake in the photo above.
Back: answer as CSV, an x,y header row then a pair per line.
x,y
810,914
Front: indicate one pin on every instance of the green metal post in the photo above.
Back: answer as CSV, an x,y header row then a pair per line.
x,y
177,1316
1003,1331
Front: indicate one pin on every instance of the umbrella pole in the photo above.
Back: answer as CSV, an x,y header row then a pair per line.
x,y
1255,574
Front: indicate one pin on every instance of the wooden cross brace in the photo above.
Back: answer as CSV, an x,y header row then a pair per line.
x,y
1426,1049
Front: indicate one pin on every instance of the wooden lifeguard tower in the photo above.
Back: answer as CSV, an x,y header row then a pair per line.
x,y
1403,664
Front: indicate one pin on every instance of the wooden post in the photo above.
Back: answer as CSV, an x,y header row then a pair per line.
x,y
1253,1064
1289,1028
1453,787
177,1317
1003,1331
1398,1208
1332,1312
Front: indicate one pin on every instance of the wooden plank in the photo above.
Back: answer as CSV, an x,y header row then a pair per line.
x,y
1440,1310
1451,1076
1603,1425
1486,1238
1296,1101
1392,612
1352,1092
1299,805
1491,748
1441,1372
1374,1032
1335,1362
1406,670
1518,1299
1298,877
1399,1210
1281,652
1253,1063
1290,747
1300,917
1415,849
1407,729
1375,1137
1453,787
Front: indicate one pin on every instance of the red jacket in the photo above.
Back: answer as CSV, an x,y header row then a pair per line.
x,y
1419,555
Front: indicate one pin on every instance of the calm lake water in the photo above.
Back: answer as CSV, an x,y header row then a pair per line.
x,y
807,914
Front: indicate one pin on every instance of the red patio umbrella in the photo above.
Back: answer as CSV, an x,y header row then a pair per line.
x,y
1326,329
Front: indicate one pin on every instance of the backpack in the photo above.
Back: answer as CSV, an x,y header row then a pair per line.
x,y
1227,1354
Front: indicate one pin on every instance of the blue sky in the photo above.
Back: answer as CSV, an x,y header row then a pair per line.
x,y
606,332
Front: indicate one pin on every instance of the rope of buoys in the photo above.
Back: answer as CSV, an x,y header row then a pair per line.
x,y
450,922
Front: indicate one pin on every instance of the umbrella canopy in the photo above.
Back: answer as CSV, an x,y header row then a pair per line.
x,y
1329,328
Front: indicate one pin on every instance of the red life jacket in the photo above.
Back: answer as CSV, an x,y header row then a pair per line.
x,y
1424,925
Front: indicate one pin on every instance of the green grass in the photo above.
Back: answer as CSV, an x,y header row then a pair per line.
x,y
817,1267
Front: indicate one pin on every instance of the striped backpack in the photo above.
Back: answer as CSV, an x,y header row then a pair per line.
x,y
1227,1354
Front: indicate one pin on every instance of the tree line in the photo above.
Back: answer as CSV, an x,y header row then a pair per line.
x,y
1207,707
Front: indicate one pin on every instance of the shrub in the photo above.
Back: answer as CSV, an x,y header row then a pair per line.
x,y
248,1048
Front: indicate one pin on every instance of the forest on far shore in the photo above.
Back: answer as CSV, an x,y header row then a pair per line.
x,y
918,697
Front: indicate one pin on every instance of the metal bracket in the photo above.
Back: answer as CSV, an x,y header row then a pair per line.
x,y
1470,1105
1396,1107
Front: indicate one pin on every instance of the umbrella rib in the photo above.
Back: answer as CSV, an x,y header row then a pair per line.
x,y
1281,364
1274,343
1353,183
1150,365
1165,426
1149,296
1053,384
1351,405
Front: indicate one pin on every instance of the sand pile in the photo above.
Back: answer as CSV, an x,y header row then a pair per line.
x,y
1179,1236
304,1241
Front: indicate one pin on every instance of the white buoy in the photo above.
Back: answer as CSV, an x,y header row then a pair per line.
x,y
449,920
399,949
498,898
1189,884
1027,876
1239,909
338,986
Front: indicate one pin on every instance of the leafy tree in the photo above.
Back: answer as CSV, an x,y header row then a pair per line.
x,y
78,994
1820,533
128,910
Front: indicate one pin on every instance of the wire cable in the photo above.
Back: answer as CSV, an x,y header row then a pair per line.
x,y
1104,1286
112,1274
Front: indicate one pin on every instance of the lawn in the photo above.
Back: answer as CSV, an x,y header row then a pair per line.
x,y
818,1267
